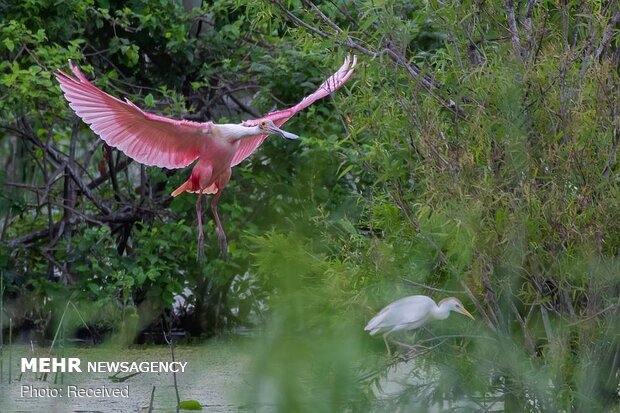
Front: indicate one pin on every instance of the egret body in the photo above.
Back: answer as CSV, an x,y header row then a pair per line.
x,y
412,312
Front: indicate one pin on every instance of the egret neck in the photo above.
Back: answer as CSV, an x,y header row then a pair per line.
x,y
441,311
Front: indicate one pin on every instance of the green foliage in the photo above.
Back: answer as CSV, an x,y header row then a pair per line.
x,y
515,199
497,183
313,336
135,264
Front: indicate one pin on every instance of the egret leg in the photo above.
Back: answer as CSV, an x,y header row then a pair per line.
x,y
201,237
387,345
223,180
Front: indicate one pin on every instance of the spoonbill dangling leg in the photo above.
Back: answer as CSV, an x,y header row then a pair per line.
x,y
201,235
222,182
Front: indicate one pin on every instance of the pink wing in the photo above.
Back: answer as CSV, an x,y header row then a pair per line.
x,y
333,83
149,139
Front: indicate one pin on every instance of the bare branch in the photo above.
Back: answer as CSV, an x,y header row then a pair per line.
x,y
429,83
242,105
323,17
512,26
120,217
527,24
27,132
121,166
608,33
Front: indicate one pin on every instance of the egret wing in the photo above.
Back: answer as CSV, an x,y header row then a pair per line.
x,y
406,311
334,82
149,139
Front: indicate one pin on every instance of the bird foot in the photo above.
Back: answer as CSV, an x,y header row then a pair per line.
x,y
411,351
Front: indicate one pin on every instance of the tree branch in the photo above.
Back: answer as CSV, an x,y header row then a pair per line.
x,y
120,217
608,33
512,26
28,133
427,82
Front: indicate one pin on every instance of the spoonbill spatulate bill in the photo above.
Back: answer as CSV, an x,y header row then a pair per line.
x,y
412,312
159,141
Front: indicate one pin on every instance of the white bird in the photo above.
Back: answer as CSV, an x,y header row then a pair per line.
x,y
412,312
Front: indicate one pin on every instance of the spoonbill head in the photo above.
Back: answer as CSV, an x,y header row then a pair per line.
x,y
270,128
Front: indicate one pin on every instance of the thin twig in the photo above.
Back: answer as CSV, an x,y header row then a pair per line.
x,y
608,33
427,287
170,342
414,70
151,401
112,218
604,310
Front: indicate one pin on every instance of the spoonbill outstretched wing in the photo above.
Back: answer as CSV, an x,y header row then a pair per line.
x,y
333,83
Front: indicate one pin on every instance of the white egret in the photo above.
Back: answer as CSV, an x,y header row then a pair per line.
x,y
412,312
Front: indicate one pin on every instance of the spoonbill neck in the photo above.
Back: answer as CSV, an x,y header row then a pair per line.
x,y
236,132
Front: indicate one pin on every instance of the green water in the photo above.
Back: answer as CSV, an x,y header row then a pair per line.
x,y
213,376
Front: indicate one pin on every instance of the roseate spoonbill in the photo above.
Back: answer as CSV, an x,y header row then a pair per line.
x,y
412,312
155,140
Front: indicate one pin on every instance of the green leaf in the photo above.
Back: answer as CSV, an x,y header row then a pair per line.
x,y
190,405
8,43
94,288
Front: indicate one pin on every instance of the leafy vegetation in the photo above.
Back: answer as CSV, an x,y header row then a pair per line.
x,y
473,153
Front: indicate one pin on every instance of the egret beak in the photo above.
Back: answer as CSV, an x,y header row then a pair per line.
x,y
274,129
466,313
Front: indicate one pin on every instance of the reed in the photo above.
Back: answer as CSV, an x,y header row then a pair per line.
x,y
10,347
59,336
151,401
170,341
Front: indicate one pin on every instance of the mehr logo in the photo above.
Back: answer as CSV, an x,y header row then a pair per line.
x,y
51,365
72,364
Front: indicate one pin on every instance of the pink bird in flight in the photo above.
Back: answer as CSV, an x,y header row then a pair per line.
x,y
168,143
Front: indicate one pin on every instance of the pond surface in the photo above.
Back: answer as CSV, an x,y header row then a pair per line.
x,y
213,376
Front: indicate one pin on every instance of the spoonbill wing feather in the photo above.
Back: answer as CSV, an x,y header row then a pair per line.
x,y
147,138
334,82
